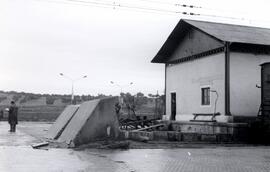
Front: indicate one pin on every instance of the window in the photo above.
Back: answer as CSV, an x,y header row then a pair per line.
x,y
268,78
206,96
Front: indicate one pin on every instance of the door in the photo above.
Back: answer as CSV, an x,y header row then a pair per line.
x,y
265,88
173,106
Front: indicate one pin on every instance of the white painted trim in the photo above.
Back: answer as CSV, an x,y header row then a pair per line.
x,y
205,106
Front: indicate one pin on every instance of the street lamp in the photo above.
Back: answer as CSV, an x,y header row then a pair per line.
x,y
121,99
72,84
121,86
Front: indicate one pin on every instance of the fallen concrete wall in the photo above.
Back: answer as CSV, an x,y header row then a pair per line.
x,y
61,122
94,120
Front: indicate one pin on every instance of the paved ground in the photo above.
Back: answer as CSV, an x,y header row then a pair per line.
x,y
17,155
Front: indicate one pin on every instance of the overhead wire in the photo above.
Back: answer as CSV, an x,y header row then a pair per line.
x,y
158,2
74,3
171,3
115,5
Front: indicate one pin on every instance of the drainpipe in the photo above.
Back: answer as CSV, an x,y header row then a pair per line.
x,y
215,108
165,91
227,79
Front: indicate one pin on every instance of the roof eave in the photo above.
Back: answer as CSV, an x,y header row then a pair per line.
x,y
159,59
168,45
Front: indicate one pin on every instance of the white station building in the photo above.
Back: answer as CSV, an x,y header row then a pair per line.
x,y
213,68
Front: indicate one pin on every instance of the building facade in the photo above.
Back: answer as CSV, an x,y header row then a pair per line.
x,y
213,68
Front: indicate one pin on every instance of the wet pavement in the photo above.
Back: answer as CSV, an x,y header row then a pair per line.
x,y
16,154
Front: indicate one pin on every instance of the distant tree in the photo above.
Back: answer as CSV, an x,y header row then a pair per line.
x,y
87,97
128,98
66,99
23,100
99,96
16,97
151,95
140,100
139,94
50,99
77,99
2,98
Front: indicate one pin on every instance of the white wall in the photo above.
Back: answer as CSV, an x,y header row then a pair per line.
x,y
186,79
245,74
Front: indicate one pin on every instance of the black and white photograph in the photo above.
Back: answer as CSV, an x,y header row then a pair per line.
x,y
134,86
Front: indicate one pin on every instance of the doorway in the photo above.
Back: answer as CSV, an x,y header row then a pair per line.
x,y
173,106
265,89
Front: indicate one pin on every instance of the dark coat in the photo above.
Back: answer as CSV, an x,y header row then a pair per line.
x,y
13,114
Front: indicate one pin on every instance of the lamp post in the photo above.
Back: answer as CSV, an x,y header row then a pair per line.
x,y
121,86
72,84
121,99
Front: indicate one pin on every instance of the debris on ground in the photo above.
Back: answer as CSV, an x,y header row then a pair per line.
x,y
39,145
150,127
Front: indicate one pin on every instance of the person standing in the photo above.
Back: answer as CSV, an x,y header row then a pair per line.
x,y
13,116
1,114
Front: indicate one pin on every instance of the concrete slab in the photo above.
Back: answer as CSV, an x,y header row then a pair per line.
x,y
94,120
61,122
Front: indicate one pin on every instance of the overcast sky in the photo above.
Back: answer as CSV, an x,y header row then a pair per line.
x,y
41,38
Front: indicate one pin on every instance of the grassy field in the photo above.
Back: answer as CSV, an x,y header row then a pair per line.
x,y
37,113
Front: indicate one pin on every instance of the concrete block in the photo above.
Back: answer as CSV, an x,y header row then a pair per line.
x,y
206,129
190,137
62,121
174,136
223,138
160,135
134,134
220,130
209,138
188,128
176,127
137,135
179,136
230,130
94,120
123,135
150,135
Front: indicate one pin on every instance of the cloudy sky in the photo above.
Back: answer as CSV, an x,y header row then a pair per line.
x,y
41,38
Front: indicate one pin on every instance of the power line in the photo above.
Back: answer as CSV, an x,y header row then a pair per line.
x,y
115,5
105,7
171,3
94,2
191,6
121,6
158,2
72,3
187,6
118,5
